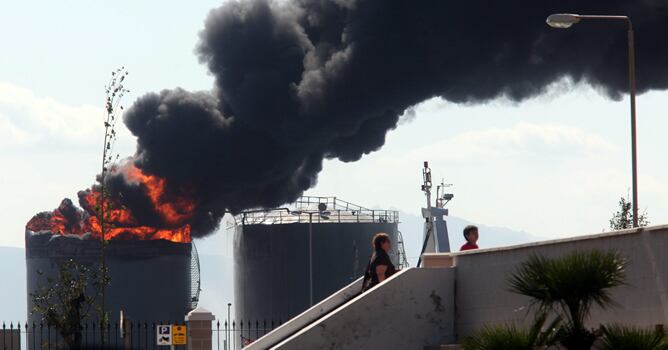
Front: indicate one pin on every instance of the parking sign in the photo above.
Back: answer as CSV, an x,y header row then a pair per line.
x,y
164,334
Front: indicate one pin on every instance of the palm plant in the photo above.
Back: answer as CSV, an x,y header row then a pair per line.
x,y
616,337
511,336
500,337
570,286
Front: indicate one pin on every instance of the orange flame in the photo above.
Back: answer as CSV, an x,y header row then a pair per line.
x,y
120,223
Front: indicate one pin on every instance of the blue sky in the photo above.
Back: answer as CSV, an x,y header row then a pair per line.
x,y
554,165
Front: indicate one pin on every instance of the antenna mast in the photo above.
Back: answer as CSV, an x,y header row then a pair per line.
x,y
435,228
426,183
443,199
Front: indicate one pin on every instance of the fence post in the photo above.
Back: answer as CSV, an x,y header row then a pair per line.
x,y
227,335
241,333
199,329
127,336
218,334
41,335
27,336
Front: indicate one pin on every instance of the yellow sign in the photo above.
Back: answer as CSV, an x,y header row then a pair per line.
x,y
179,336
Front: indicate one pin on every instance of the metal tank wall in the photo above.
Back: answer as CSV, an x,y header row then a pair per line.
x,y
271,264
150,280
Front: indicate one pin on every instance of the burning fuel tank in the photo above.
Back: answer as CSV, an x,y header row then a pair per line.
x,y
150,279
276,277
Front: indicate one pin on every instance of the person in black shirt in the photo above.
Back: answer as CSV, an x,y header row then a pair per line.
x,y
380,266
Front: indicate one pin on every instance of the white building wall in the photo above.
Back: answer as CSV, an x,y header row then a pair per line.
x,y
482,287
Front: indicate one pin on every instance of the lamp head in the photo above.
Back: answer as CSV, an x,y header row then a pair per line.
x,y
562,20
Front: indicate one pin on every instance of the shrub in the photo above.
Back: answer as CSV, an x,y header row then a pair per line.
x,y
570,285
616,337
511,336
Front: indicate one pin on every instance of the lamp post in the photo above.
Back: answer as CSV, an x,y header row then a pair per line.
x,y
310,245
566,20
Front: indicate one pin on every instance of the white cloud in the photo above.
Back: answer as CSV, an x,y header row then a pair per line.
x,y
50,151
26,118
10,135
516,174
522,139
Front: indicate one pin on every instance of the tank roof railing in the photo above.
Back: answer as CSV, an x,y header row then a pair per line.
x,y
308,208
273,217
332,203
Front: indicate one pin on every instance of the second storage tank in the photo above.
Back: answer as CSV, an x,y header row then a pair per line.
x,y
285,259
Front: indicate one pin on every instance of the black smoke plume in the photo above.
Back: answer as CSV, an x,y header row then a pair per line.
x,y
303,80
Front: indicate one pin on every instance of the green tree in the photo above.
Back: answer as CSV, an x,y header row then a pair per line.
x,y
64,301
115,90
623,218
569,286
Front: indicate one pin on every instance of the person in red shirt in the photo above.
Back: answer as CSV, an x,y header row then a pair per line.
x,y
471,236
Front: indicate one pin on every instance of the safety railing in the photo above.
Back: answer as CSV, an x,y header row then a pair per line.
x,y
226,335
309,209
91,335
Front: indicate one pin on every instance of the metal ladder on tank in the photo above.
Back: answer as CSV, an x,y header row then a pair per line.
x,y
401,252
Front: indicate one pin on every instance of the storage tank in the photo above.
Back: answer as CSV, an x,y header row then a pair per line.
x,y
272,271
150,279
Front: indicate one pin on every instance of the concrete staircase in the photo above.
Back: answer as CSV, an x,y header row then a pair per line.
x,y
411,310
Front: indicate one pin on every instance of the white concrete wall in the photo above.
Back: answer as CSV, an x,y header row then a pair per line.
x,y
412,309
482,290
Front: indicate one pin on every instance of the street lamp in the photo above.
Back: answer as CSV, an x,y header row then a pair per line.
x,y
323,214
566,20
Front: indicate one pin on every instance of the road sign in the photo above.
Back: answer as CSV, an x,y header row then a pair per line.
x,y
179,336
164,334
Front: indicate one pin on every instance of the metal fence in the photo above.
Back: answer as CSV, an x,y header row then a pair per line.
x,y
236,335
39,336
131,335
